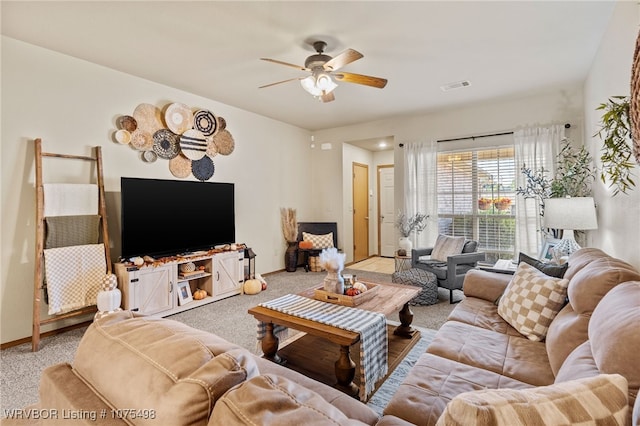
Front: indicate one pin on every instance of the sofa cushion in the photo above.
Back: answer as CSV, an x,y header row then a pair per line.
x,y
481,313
137,362
512,356
592,273
614,334
551,269
433,382
531,301
446,246
593,401
273,400
352,407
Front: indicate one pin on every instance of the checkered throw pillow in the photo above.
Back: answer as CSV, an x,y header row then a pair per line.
x,y
592,401
319,241
531,301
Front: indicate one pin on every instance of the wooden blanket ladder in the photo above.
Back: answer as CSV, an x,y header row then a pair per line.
x,y
40,237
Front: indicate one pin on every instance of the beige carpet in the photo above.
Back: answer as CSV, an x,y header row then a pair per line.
x,y
228,318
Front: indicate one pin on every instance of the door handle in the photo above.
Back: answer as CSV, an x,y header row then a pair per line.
x,y
366,218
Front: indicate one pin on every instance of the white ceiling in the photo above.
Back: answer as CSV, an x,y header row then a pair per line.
x,y
212,49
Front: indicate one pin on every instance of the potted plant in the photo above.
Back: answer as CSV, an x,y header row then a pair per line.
x,y
408,224
616,152
573,177
502,203
484,203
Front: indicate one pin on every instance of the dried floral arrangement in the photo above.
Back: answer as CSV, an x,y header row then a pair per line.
x,y
331,260
289,224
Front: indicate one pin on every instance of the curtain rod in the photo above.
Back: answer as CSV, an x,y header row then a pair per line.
x,y
566,126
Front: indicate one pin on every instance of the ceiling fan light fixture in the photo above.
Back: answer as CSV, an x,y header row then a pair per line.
x,y
318,84
325,83
309,84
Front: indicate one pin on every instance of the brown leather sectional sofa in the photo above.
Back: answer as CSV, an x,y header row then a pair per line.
x,y
151,371
597,332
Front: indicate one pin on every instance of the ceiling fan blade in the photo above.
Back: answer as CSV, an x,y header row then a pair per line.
x,y
348,77
342,59
327,97
280,82
275,61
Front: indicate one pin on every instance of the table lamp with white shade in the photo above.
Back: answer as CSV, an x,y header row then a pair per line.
x,y
569,214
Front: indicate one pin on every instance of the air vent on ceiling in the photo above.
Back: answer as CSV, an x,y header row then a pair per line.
x,y
456,85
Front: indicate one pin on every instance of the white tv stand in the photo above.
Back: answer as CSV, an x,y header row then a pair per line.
x,y
152,289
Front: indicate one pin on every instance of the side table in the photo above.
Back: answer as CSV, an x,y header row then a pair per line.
x,y
402,263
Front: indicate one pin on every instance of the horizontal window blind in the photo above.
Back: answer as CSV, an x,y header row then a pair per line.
x,y
477,196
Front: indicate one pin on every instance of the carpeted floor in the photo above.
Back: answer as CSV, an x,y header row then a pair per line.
x,y
21,369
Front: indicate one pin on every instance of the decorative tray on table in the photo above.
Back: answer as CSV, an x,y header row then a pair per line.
x,y
343,299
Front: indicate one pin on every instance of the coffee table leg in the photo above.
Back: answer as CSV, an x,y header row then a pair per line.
x,y
406,317
345,372
270,345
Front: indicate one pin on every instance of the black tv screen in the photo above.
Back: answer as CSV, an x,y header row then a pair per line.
x,y
169,217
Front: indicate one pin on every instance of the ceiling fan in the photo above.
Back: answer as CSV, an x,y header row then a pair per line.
x,y
324,72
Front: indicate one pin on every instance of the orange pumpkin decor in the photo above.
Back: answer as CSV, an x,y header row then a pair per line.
x,y
199,294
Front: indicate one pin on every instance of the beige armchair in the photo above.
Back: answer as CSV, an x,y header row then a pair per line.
x,y
451,273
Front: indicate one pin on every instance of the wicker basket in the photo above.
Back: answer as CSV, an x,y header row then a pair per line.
x,y
314,264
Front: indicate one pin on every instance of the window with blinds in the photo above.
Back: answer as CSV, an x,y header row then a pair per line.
x,y
476,198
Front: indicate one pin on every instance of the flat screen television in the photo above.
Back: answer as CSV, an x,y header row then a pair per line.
x,y
169,217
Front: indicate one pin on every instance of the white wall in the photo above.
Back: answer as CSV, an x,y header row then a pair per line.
x,y
73,105
618,217
560,106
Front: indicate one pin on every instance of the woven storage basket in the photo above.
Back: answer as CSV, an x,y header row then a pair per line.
x,y
314,264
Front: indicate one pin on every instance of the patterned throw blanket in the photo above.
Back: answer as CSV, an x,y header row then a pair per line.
x,y
371,326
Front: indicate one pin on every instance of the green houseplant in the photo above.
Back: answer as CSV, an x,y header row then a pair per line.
x,y
573,177
616,152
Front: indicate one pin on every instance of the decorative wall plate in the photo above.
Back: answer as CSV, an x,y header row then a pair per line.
x,y
212,149
148,118
205,121
149,156
179,118
180,166
203,168
142,140
193,144
127,123
123,136
165,144
224,142
222,123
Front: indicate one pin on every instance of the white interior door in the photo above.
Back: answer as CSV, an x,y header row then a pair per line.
x,y
387,215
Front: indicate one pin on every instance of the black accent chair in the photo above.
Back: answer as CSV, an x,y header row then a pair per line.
x,y
318,228
451,273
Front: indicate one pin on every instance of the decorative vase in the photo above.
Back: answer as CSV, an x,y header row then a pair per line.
x,y
291,256
108,299
405,244
334,283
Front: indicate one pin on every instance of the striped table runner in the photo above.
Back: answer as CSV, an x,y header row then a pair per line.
x,y
371,326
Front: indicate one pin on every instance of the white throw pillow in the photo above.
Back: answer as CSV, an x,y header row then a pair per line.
x,y
447,246
531,301
319,241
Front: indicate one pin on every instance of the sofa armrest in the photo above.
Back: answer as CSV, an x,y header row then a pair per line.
x,y
417,253
485,285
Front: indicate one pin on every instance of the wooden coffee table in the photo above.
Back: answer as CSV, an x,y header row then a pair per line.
x,y
314,353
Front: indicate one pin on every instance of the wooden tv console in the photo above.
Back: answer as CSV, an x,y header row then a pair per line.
x,y
152,289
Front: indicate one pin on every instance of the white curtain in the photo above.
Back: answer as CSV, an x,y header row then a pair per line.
x,y
420,172
535,148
